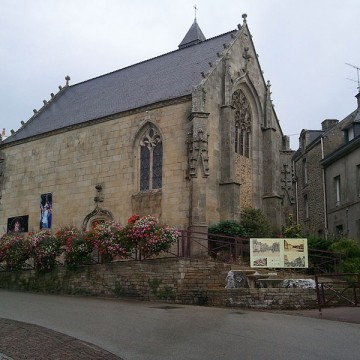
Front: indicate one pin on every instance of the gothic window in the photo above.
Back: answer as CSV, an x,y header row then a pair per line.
x,y
151,154
243,121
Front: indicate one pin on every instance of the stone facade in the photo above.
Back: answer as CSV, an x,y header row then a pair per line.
x,y
310,189
310,181
221,149
327,177
69,164
342,179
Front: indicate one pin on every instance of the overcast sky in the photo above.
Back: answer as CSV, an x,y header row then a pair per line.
x,y
303,46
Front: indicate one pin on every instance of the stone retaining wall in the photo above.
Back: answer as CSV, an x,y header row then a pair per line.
x,y
184,281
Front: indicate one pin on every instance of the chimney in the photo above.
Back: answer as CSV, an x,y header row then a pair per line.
x,y
328,124
285,142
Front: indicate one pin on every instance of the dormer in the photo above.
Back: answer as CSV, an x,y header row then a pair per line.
x,y
352,129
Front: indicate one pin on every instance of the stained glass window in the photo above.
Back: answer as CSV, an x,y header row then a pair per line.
x,y
157,166
144,168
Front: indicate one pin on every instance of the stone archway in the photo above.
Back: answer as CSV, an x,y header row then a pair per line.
x,y
98,215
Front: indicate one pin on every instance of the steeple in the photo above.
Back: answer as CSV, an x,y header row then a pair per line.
x,y
193,36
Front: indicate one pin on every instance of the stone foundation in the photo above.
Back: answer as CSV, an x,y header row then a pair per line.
x,y
182,281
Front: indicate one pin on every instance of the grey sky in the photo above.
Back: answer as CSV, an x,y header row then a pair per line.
x,y
303,46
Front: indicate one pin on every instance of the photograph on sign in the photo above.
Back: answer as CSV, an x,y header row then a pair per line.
x,y
278,253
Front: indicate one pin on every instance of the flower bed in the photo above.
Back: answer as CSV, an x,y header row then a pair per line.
x,y
143,236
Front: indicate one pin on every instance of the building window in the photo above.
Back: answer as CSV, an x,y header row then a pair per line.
x,y
339,230
151,154
243,121
337,186
306,206
306,178
349,133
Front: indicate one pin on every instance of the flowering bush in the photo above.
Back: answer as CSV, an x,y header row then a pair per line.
x,y
132,219
45,249
109,239
77,249
14,251
142,235
148,236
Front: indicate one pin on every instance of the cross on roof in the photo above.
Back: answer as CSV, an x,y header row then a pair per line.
x,y
195,10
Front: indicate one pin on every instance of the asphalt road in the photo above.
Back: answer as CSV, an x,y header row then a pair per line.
x,y
154,331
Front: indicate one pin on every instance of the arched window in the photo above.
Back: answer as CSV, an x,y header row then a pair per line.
x,y
151,153
243,120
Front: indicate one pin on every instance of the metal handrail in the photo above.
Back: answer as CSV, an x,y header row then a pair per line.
x,y
336,290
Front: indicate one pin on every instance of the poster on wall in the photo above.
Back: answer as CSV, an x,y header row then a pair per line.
x,y
278,253
18,224
45,211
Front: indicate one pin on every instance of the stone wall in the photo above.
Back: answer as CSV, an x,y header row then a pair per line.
x,y
182,281
311,190
269,298
71,163
309,175
244,177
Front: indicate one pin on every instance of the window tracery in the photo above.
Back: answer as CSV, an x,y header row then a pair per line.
x,y
243,123
151,154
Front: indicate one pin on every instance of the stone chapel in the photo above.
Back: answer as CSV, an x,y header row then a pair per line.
x,y
190,136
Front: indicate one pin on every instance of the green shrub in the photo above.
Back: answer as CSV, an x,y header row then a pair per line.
x,y
350,251
228,228
319,243
347,247
255,223
292,229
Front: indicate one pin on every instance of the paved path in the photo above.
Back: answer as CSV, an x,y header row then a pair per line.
x,y
153,331
25,341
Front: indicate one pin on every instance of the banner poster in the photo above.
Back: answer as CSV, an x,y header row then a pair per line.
x,y
18,224
278,253
45,211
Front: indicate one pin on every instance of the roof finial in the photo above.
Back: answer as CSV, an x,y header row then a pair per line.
x,y
195,11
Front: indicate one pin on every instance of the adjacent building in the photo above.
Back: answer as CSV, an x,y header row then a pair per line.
x,y
327,170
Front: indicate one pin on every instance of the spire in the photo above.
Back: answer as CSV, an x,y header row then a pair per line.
x,y
193,36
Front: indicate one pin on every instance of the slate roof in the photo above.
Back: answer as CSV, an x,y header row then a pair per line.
x,y
314,135
165,77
